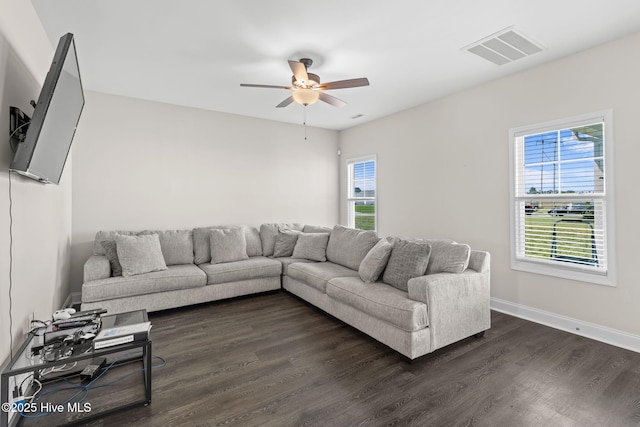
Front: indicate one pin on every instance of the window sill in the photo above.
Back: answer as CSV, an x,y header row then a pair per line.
x,y
606,279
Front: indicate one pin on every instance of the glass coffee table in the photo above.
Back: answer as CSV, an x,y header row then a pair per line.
x,y
64,399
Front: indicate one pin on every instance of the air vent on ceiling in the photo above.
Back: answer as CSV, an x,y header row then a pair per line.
x,y
503,47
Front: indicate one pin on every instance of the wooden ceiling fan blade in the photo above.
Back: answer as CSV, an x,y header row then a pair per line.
x,y
299,71
267,86
344,84
332,100
286,102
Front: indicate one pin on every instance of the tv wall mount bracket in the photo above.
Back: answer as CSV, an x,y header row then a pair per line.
x,y
18,125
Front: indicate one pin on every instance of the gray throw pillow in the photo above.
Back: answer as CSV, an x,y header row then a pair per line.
x,y
269,234
228,245
139,254
285,243
109,247
407,260
101,236
375,261
202,242
448,257
312,246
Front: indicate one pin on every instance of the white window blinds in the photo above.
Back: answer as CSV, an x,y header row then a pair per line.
x,y
361,199
560,200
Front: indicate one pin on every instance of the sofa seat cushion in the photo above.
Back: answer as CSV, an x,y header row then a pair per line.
x,y
252,268
381,301
317,274
287,261
175,277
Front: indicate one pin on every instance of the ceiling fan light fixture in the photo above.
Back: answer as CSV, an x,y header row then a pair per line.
x,y
305,96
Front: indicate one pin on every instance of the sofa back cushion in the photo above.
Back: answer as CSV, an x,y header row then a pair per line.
x,y
227,245
348,246
176,245
269,233
316,229
98,248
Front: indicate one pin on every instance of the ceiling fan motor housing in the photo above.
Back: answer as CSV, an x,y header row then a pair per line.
x,y
313,82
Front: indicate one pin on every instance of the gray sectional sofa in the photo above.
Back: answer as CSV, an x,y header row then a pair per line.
x,y
413,295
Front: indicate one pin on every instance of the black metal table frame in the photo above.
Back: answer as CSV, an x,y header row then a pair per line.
x,y
146,356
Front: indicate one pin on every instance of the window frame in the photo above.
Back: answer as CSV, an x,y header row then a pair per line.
x,y
555,268
351,200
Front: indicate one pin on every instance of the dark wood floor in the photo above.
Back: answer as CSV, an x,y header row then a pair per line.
x,y
272,360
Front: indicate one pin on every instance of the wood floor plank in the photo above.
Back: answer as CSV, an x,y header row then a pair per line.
x,y
273,360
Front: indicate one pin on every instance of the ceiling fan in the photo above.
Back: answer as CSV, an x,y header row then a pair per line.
x,y
307,88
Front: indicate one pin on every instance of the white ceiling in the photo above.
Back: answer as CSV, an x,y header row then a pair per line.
x,y
197,52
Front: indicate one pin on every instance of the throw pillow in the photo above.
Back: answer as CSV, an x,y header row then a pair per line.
x,y
407,260
269,234
285,243
375,261
227,245
109,247
108,235
139,254
448,257
311,246
202,243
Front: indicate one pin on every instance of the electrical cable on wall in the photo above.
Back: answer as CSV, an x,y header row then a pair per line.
x,y
10,268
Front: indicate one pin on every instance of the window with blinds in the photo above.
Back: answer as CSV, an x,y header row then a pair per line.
x,y
561,199
362,200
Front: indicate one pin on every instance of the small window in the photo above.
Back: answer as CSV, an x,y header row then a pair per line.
x,y
362,199
562,199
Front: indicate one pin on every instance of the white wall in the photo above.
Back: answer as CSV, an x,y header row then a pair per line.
x,y
443,171
146,165
41,213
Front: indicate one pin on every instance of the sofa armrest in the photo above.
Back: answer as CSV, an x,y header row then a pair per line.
x,y
96,267
479,261
458,305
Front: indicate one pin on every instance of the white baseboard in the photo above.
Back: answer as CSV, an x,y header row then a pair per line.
x,y
578,327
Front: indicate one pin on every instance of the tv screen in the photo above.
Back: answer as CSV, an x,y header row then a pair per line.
x,y
43,153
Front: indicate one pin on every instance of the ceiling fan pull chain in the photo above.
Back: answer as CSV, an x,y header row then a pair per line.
x,y
304,122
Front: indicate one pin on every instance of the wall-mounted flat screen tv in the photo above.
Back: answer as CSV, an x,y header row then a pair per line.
x,y
43,153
